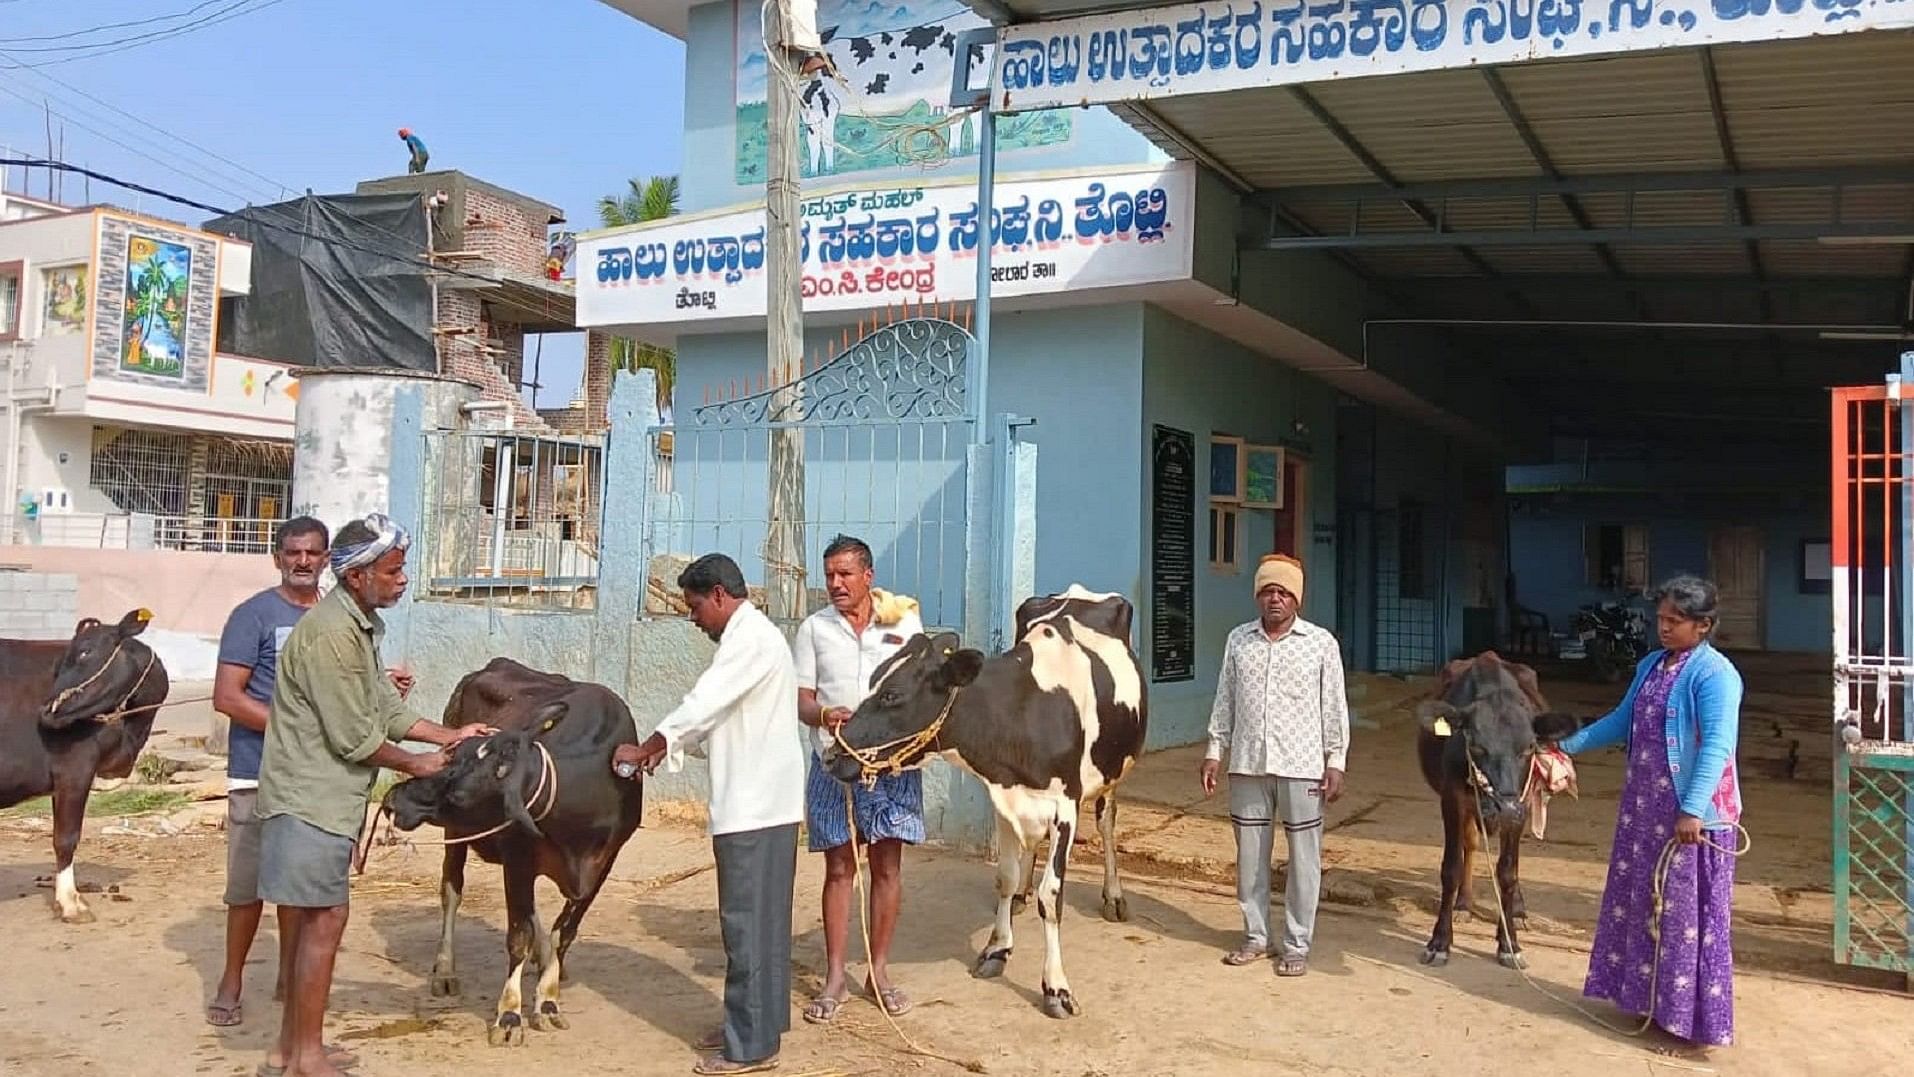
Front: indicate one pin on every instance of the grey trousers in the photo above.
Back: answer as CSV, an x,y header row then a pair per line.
x,y
756,872
1257,802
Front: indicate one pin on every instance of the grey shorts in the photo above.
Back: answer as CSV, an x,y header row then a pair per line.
x,y
242,847
303,866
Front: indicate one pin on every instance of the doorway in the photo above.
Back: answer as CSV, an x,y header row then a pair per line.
x,y
1736,561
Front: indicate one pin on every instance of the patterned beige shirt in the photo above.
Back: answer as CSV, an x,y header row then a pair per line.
x,y
1280,705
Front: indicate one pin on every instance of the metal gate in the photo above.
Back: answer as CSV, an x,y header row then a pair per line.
x,y
1870,573
884,431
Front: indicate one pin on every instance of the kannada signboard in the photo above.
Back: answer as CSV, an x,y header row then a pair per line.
x,y
1234,45
883,246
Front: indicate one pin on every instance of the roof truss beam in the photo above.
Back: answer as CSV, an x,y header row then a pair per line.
x,y
1732,161
1376,168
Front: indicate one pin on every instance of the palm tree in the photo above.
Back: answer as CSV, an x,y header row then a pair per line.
x,y
651,199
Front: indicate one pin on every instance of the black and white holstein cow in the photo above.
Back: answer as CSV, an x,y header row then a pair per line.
x,y
1056,720
885,74
71,712
1474,743
538,797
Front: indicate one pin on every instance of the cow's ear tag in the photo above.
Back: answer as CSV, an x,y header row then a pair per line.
x,y
143,614
549,723
947,652
1442,728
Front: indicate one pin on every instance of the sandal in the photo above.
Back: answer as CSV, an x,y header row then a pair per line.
x,y
339,1057
822,1009
1292,965
893,999
1245,954
225,1016
712,1040
716,1064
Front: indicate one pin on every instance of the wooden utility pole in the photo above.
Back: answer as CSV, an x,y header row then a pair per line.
x,y
784,318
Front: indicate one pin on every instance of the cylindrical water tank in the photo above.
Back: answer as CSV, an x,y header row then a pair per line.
x,y
342,436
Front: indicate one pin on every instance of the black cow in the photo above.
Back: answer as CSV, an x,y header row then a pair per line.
x,y
1474,742
559,812
71,712
1057,719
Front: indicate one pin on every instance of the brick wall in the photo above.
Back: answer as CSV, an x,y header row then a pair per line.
x,y
38,605
504,233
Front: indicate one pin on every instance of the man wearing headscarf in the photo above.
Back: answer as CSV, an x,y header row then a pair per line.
x,y
335,720
1282,715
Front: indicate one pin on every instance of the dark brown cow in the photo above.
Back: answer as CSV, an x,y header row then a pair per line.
x,y
566,822
1474,743
71,712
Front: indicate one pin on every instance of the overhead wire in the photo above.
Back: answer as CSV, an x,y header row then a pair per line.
x,y
107,48
257,214
148,21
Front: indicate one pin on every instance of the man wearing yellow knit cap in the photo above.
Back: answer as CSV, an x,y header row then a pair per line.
x,y
1282,715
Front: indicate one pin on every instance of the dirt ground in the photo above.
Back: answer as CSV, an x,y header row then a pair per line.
x,y
124,995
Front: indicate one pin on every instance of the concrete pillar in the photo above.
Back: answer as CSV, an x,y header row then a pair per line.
x,y
630,476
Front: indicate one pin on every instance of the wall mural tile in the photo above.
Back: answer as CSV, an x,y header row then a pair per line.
x,y
158,297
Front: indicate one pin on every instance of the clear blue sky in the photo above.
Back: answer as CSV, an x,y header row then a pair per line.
x,y
560,99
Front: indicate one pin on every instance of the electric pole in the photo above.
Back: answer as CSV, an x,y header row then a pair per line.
x,y
791,28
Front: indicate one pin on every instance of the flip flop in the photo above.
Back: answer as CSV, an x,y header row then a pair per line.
x,y
225,1016
893,999
335,1054
1291,965
1244,955
822,1010
718,1064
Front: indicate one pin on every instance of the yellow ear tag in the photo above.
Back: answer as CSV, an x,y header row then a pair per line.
x,y
1442,727
947,652
144,615
549,723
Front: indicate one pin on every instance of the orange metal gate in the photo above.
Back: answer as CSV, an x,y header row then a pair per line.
x,y
1871,582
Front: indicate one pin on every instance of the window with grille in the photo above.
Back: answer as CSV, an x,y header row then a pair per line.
x,y
142,470
12,291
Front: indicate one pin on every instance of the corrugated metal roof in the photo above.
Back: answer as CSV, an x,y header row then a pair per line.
x,y
1811,103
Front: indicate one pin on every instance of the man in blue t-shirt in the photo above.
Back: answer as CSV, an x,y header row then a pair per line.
x,y
242,691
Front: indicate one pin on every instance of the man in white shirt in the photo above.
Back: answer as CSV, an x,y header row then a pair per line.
x,y
1282,714
743,714
836,651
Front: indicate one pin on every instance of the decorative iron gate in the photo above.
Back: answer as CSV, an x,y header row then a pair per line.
x,y
884,431
1871,579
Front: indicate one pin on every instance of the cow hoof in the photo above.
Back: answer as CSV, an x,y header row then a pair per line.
x,y
509,1032
1018,904
1434,957
80,915
445,985
548,1019
990,964
1060,1005
1512,959
1116,910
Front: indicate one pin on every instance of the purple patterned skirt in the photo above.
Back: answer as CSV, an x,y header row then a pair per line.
x,y
1693,991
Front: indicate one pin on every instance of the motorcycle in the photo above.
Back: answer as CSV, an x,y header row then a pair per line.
x,y
1613,636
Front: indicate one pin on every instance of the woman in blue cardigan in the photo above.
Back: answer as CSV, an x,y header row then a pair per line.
x,y
1679,723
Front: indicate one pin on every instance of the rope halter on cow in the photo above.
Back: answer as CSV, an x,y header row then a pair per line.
x,y
547,787
873,763
122,710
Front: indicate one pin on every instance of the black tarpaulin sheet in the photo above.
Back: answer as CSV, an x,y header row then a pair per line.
x,y
338,281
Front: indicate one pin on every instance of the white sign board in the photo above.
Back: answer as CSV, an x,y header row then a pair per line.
x,y
883,246
1234,45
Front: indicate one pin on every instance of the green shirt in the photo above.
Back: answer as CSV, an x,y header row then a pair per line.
x,y
332,707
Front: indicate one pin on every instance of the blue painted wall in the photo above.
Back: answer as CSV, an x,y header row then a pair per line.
x,y
710,170
1076,371
1546,542
1197,381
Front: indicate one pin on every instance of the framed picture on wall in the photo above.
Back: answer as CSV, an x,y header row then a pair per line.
x,y
1262,477
1227,463
1816,564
